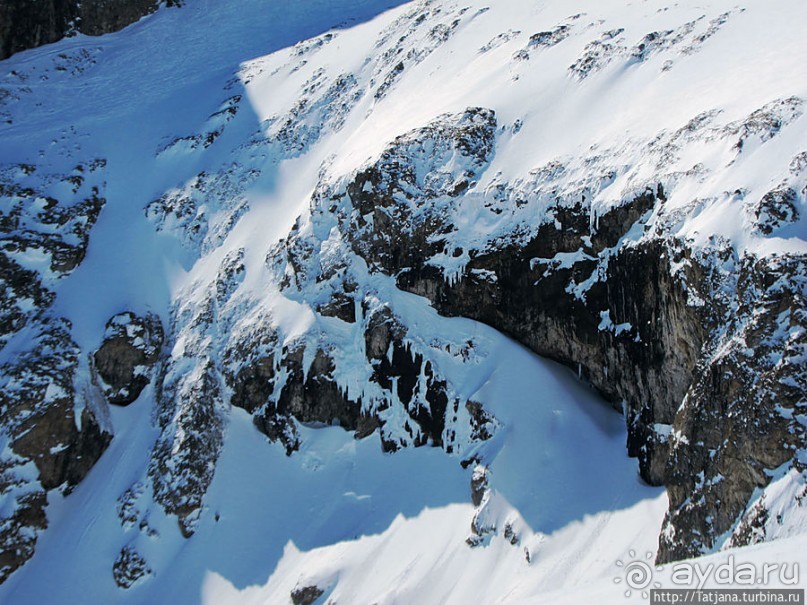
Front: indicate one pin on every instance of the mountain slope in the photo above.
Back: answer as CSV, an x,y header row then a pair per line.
x,y
251,238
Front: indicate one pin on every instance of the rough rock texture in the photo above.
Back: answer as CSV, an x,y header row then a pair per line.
x,y
50,444
740,420
130,349
646,316
29,24
45,224
54,427
481,527
191,409
129,568
699,345
294,386
306,595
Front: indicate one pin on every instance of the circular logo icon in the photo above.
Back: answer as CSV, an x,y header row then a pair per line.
x,y
637,574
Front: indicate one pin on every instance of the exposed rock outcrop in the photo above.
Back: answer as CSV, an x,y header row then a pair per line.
x,y
295,385
27,25
130,567
590,259
648,318
306,595
124,361
54,426
54,435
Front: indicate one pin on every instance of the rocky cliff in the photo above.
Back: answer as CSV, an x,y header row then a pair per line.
x,y
295,246
700,347
26,25
54,424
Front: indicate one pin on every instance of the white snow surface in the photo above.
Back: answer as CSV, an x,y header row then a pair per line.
x,y
364,526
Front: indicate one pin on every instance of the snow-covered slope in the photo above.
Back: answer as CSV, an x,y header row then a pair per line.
x,y
244,224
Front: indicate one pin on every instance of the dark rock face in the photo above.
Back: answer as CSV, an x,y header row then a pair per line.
x,y
479,485
698,346
33,222
776,209
15,546
660,326
30,24
181,477
482,528
292,386
393,233
632,336
740,419
313,396
38,407
306,595
123,362
191,409
732,414
129,567
54,425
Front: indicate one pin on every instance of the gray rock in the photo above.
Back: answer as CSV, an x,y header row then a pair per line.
x,y
130,567
27,25
125,360
306,595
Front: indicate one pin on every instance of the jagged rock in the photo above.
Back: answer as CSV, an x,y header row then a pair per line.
x,y
624,305
191,419
191,409
17,286
36,221
598,53
41,237
54,430
130,349
550,38
482,526
130,567
313,395
306,595
650,44
479,484
391,190
128,512
702,347
766,122
740,416
341,305
751,529
38,407
776,209
483,424
510,534
628,319
253,384
19,530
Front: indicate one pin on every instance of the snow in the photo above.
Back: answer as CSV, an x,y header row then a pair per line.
x,y
380,524
362,525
